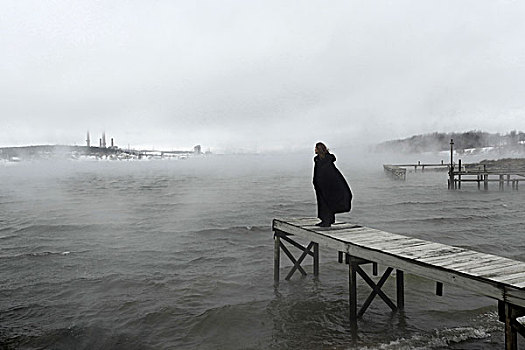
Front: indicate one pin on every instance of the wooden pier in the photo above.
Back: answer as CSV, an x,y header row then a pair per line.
x,y
493,276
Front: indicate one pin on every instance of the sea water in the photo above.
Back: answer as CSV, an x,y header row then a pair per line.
x,y
179,255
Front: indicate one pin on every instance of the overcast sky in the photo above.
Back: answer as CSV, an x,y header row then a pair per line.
x,y
257,75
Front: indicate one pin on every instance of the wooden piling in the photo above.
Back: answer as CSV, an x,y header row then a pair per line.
x,y
276,257
485,178
511,336
451,182
459,175
479,181
352,291
400,288
316,259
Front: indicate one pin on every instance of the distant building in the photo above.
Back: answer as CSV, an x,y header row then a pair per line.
x,y
88,140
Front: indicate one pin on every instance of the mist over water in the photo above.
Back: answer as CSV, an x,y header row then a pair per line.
x,y
179,255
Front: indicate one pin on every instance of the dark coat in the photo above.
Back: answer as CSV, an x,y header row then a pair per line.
x,y
330,185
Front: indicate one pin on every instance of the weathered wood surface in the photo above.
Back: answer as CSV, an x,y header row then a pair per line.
x,y
490,275
395,171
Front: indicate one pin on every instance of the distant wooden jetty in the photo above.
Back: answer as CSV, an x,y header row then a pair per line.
x,y
399,171
504,171
481,174
395,172
493,276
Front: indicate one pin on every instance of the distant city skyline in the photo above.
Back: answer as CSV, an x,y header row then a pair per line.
x,y
258,75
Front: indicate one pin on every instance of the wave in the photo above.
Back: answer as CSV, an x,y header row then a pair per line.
x,y
234,229
446,337
39,254
74,337
228,326
55,228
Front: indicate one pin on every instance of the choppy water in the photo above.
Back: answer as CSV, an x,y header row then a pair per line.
x,y
179,255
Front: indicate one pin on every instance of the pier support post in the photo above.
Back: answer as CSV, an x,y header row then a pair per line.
x,y
511,336
459,174
352,286
485,178
400,286
451,182
508,314
276,257
316,259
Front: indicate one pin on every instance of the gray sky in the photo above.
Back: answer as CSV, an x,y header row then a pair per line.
x,y
258,75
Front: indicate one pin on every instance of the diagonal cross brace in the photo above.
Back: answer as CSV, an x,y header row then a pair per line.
x,y
312,249
292,259
376,289
306,251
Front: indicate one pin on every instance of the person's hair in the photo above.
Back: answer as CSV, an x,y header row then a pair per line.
x,y
322,151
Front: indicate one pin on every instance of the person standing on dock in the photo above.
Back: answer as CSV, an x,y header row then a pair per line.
x,y
331,189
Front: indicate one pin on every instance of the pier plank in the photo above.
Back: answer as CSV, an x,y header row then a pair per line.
x,y
450,256
375,235
477,257
353,232
478,261
500,270
356,231
394,243
518,276
383,242
488,269
418,250
358,237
